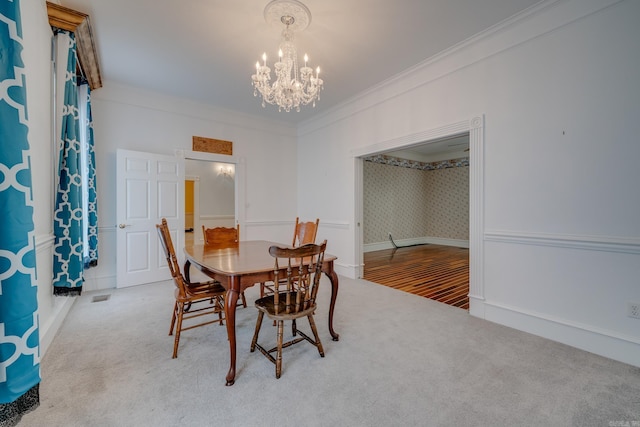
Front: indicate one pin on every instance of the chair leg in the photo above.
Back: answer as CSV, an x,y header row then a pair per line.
x,y
294,328
261,289
180,308
312,323
279,354
257,331
244,300
173,317
220,303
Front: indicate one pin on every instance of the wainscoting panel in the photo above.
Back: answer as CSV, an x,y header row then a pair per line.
x,y
51,309
572,289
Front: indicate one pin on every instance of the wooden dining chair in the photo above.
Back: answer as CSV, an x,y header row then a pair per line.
x,y
223,237
297,274
192,300
303,233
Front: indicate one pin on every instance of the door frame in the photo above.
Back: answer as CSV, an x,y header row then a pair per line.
x,y
475,128
239,180
196,200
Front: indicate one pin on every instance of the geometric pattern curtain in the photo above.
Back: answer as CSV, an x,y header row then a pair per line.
x,y
91,205
19,343
67,220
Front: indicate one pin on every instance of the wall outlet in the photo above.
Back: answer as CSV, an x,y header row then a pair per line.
x,y
633,309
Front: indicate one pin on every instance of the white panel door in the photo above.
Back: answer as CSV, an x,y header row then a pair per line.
x,y
148,189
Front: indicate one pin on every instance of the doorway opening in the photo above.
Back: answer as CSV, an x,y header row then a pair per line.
x,y
209,197
416,220
434,140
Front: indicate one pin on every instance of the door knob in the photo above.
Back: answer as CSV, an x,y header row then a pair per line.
x,y
123,225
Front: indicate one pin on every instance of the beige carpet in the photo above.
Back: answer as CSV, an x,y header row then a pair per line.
x,y
402,360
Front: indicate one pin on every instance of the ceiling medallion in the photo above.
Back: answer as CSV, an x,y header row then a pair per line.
x,y
293,86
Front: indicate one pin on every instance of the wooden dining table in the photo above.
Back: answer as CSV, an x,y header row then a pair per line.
x,y
239,267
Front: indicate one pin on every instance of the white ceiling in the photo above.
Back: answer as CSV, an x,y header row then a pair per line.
x,y
206,50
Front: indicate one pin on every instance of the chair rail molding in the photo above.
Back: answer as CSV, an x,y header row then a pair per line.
x,y
629,245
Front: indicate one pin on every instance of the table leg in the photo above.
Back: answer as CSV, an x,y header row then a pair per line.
x,y
231,300
333,277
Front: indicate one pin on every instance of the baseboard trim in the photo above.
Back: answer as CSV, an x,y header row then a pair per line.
x,y
99,283
49,330
379,246
602,342
348,270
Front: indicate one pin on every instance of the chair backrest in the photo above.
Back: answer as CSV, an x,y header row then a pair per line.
x,y
167,245
300,281
305,232
221,236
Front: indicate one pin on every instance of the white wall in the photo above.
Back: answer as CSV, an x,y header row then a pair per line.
x,y
36,56
139,120
216,189
560,241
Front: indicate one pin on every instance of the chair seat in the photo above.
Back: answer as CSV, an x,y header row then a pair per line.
x,y
201,290
280,312
211,285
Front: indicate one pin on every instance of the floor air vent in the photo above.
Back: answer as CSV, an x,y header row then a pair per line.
x,y
100,298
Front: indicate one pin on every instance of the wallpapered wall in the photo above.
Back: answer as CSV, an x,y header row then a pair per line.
x,y
412,199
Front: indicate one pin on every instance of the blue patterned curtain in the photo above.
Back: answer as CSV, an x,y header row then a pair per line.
x,y
68,257
19,343
90,200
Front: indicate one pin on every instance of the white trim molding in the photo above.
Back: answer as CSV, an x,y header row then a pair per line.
x,y
267,223
476,215
629,245
343,225
44,242
595,340
216,217
379,246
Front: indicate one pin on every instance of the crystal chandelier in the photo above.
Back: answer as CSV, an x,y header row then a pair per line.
x,y
293,87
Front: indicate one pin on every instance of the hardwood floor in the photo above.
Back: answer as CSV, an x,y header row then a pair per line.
x,y
437,272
